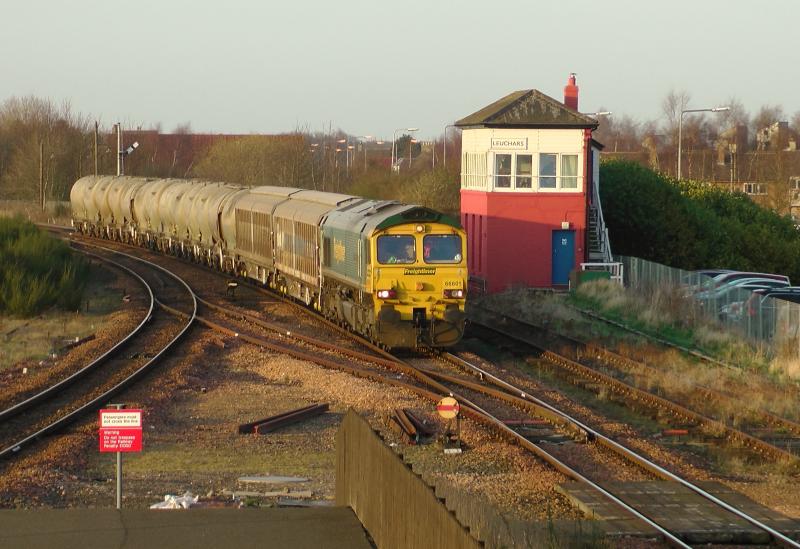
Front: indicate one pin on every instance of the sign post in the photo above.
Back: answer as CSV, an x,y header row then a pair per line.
x,y
120,431
448,408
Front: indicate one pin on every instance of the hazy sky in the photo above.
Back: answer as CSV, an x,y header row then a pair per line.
x,y
239,66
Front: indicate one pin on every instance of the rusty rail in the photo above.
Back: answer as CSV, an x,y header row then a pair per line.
x,y
273,423
648,399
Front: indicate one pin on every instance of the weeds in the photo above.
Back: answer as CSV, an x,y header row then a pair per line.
x,y
37,271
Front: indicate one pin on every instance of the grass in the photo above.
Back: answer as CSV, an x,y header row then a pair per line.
x,y
759,380
37,270
55,212
663,312
34,339
178,458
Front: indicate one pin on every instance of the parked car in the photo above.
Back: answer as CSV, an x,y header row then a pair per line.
x,y
722,290
724,278
693,280
759,300
711,273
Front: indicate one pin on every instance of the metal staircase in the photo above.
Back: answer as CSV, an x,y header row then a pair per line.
x,y
599,244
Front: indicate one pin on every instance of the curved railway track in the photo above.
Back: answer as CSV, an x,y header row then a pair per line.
x,y
383,367
773,447
431,384
105,377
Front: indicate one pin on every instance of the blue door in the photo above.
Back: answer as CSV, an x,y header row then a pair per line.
x,y
563,256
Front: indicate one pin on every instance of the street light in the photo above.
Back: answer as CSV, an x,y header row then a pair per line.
x,y
444,156
680,128
364,139
346,142
394,139
598,113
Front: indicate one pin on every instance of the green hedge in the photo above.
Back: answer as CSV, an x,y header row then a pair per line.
x,y
37,271
692,225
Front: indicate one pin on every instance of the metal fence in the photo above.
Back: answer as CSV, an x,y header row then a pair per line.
x,y
771,321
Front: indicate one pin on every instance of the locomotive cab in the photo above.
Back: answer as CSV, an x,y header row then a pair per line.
x,y
419,275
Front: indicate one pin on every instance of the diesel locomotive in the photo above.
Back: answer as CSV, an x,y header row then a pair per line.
x,y
392,272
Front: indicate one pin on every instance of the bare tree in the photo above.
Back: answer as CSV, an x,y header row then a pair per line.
x,y
671,107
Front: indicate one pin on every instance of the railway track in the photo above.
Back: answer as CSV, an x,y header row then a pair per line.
x,y
98,382
543,409
383,367
773,436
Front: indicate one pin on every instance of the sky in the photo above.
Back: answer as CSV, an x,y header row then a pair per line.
x,y
371,67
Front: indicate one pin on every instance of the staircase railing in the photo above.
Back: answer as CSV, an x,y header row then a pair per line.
x,y
600,229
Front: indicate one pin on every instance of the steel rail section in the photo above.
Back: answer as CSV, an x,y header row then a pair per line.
x,y
631,455
98,401
50,391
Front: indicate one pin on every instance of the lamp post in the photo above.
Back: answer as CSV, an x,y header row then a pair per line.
x,y
411,142
346,142
119,148
394,139
364,139
444,140
680,128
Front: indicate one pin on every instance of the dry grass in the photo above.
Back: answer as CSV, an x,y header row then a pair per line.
x,y
55,212
34,339
760,383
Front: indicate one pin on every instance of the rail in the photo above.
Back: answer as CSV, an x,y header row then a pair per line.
x,y
631,456
103,398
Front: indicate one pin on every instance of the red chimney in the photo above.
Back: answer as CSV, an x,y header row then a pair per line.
x,y
571,93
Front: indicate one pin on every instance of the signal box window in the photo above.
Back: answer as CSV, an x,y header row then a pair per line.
x,y
547,171
441,248
395,248
569,171
524,171
502,171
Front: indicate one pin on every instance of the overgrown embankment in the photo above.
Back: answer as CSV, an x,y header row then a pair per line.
x,y
37,271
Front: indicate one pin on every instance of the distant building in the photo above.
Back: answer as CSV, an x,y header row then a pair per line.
x,y
775,137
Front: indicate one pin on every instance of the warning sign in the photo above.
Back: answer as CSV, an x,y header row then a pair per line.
x,y
120,440
447,408
120,431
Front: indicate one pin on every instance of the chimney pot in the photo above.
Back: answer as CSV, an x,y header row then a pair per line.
x,y
571,93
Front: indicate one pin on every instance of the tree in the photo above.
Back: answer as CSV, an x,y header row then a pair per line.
x,y
29,125
281,160
671,106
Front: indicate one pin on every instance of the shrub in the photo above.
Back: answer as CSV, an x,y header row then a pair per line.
x,y
692,224
37,271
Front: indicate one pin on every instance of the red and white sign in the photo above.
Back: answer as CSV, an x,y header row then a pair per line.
x,y
448,408
120,430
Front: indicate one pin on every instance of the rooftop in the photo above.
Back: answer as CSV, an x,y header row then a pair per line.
x,y
527,109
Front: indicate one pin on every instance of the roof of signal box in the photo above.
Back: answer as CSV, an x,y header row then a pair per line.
x,y
527,109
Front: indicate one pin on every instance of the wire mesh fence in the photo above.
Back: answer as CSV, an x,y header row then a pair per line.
x,y
768,320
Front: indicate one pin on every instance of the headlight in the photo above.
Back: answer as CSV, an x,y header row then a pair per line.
x,y
387,294
454,294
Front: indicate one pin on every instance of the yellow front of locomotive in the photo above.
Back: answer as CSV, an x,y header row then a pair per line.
x,y
419,284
